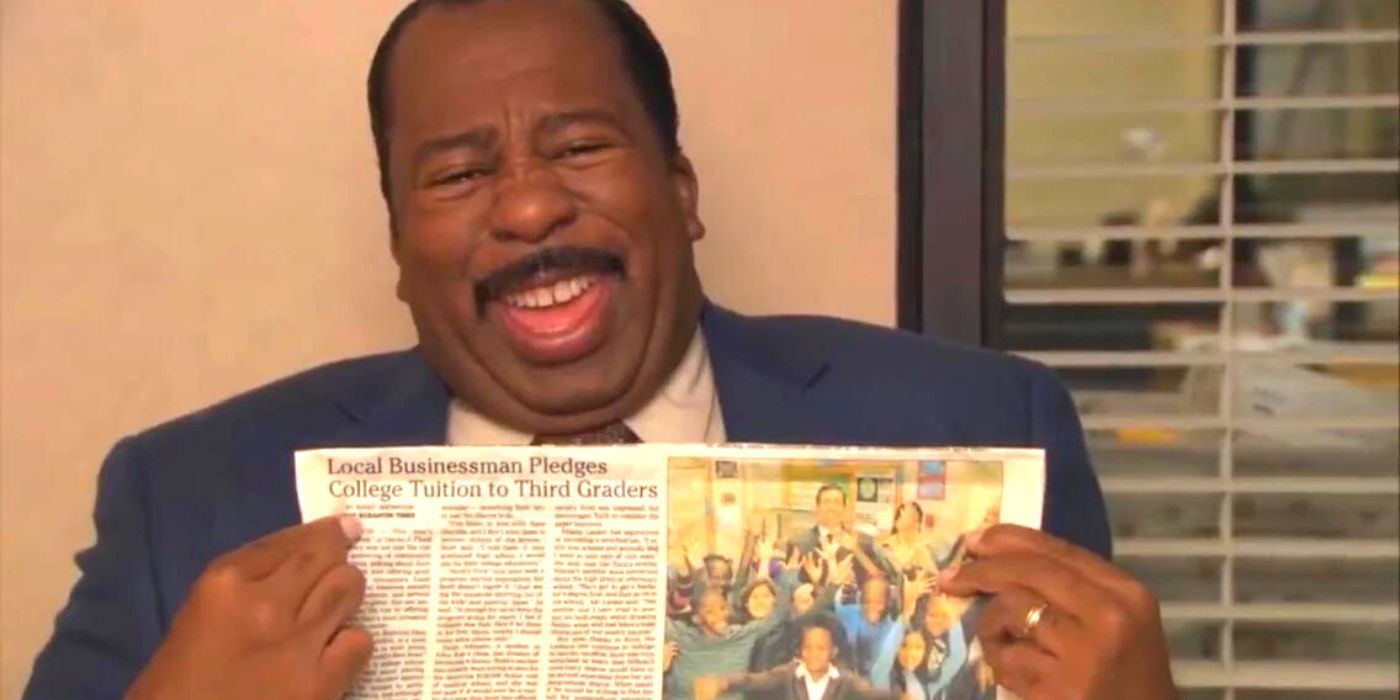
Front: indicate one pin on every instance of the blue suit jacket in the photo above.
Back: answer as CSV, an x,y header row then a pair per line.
x,y
173,498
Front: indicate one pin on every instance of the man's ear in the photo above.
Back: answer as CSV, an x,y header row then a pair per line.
x,y
687,188
400,284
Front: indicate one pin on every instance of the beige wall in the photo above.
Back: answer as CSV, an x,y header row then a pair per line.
x,y
188,209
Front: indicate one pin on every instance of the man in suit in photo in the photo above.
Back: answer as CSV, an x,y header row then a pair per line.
x,y
542,218
832,531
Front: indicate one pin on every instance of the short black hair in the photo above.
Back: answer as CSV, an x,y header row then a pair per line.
x,y
829,486
642,55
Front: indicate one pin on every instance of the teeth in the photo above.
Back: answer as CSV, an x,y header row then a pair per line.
x,y
560,292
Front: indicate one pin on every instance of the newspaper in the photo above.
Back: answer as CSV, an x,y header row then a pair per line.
x,y
667,571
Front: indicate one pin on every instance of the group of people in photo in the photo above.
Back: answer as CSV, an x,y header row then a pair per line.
x,y
828,612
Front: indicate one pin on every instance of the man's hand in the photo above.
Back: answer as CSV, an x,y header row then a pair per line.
x,y
668,655
267,620
755,525
794,559
912,590
843,572
812,566
675,551
709,688
691,550
1099,636
763,553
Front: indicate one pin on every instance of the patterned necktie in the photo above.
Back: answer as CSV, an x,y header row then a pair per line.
x,y
614,433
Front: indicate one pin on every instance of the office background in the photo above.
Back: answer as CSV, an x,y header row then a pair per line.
x,y
188,209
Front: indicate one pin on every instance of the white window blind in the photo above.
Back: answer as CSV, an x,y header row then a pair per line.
x,y
1203,213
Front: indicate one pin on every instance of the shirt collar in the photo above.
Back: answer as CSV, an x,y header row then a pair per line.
x,y
685,410
831,673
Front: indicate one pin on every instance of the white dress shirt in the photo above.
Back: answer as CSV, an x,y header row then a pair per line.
x,y
816,688
685,410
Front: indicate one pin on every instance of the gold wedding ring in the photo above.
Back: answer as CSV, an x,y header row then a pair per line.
x,y
1033,618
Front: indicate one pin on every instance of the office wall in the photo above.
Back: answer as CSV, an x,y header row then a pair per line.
x,y
188,209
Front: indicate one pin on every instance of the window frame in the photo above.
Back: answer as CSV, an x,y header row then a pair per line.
x,y
952,83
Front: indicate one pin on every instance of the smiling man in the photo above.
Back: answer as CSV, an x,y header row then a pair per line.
x,y
543,214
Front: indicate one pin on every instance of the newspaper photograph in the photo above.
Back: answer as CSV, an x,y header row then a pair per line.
x,y
789,565
667,571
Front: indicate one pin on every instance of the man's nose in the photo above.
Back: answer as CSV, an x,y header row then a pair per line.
x,y
530,204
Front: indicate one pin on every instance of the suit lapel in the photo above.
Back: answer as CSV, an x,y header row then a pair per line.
x,y
406,406
760,386
410,409
799,688
778,384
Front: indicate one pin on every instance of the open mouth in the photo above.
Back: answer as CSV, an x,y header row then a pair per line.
x,y
547,297
553,306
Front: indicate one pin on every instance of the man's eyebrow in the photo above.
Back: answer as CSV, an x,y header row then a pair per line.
x,y
560,120
480,138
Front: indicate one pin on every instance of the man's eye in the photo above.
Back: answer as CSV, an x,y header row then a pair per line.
x,y
459,177
581,148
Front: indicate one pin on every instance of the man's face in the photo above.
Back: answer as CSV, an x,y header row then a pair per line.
x,y
515,130
815,652
831,509
873,599
713,613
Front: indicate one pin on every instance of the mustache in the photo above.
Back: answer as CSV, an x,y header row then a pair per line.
x,y
562,259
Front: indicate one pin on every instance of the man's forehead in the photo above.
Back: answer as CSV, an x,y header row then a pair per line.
x,y
494,40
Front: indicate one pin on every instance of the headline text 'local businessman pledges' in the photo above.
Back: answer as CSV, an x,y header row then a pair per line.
x,y
542,216
537,465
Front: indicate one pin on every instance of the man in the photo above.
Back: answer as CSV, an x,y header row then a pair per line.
x,y
813,676
832,530
542,218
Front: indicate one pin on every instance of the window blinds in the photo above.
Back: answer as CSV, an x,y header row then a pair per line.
x,y
1203,239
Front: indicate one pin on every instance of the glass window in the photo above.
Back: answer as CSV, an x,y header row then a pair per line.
x,y
1203,238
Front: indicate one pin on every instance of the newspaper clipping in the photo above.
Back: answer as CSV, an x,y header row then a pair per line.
x,y
668,571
